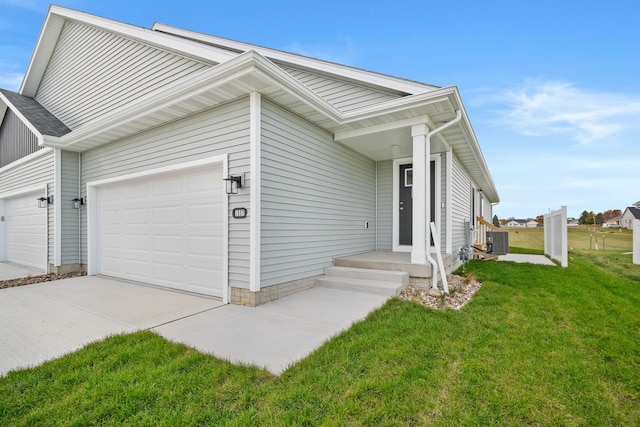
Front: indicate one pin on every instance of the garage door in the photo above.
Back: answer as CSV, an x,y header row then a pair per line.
x,y
25,227
165,230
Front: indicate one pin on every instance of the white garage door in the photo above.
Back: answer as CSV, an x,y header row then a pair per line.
x,y
165,230
25,227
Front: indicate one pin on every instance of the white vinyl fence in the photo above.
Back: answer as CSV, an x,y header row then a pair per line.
x,y
636,241
555,235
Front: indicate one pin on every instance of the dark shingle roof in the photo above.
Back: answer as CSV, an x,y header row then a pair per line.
x,y
634,211
45,122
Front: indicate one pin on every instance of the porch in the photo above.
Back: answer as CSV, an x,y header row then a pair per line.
x,y
390,261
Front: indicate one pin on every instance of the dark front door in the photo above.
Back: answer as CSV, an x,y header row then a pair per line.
x,y
406,201
406,204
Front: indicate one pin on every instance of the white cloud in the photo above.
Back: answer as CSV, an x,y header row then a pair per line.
x,y
543,108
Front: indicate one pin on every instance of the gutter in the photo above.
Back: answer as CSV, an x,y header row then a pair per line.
x,y
430,260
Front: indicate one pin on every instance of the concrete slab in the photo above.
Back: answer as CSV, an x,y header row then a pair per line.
x,y
46,320
10,271
276,334
522,258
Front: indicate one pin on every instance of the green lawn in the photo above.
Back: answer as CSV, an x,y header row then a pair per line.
x,y
538,345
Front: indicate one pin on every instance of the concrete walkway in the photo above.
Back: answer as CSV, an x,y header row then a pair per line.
x,y
44,321
522,258
10,271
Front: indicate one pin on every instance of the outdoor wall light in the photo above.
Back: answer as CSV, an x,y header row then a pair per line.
x,y
233,183
77,202
44,201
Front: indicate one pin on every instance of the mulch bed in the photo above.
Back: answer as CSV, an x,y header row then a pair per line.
x,y
30,280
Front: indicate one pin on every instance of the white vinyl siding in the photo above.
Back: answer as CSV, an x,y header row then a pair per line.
x,y
223,130
16,139
93,72
461,200
443,203
385,206
31,173
316,196
341,93
70,217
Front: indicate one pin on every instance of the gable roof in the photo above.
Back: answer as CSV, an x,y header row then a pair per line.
x,y
39,120
237,69
634,211
282,57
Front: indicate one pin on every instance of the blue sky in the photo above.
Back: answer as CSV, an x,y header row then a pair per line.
x,y
552,88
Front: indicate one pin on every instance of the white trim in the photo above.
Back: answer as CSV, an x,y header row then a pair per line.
x,y
93,266
25,159
40,189
449,202
255,111
57,208
396,246
370,77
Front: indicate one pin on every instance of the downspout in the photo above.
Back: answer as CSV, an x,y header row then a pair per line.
x,y
80,210
430,260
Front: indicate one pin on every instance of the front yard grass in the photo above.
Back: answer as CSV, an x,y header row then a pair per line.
x,y
538,345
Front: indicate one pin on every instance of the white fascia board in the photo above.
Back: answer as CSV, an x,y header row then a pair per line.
x,y
370,77
22,118
54,23
491,192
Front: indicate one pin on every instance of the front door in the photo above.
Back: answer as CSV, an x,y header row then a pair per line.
x,y
405,216
406,204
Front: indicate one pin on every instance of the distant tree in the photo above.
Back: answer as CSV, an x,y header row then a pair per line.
x,y
598,218
610,214
540,219
583,217
503,221
496,221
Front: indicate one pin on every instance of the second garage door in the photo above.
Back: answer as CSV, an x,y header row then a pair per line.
x,y
165,230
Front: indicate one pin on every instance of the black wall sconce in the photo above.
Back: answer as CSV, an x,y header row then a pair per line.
x,y
77,202
233,183
43,202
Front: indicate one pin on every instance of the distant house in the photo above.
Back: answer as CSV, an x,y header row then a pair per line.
x,y
517,223
613,222
533,224
629,214
572,222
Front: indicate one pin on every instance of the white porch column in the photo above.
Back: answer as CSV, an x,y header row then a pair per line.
x,y
421,177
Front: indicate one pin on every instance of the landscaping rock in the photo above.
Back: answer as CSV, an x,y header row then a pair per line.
x,y
30,280
461,291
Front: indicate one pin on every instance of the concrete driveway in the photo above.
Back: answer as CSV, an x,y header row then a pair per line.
x,y
46,320
10,271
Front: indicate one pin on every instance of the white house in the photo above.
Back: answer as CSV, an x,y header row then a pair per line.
x,y
532,224
516,223
117,150
629,214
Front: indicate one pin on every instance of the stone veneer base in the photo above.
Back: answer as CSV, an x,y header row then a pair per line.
x,y
246,297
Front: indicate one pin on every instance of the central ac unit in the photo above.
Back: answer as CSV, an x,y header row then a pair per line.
x,y
498,242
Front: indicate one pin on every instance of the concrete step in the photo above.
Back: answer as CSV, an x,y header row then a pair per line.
x,y
360,285
399,277
414,270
